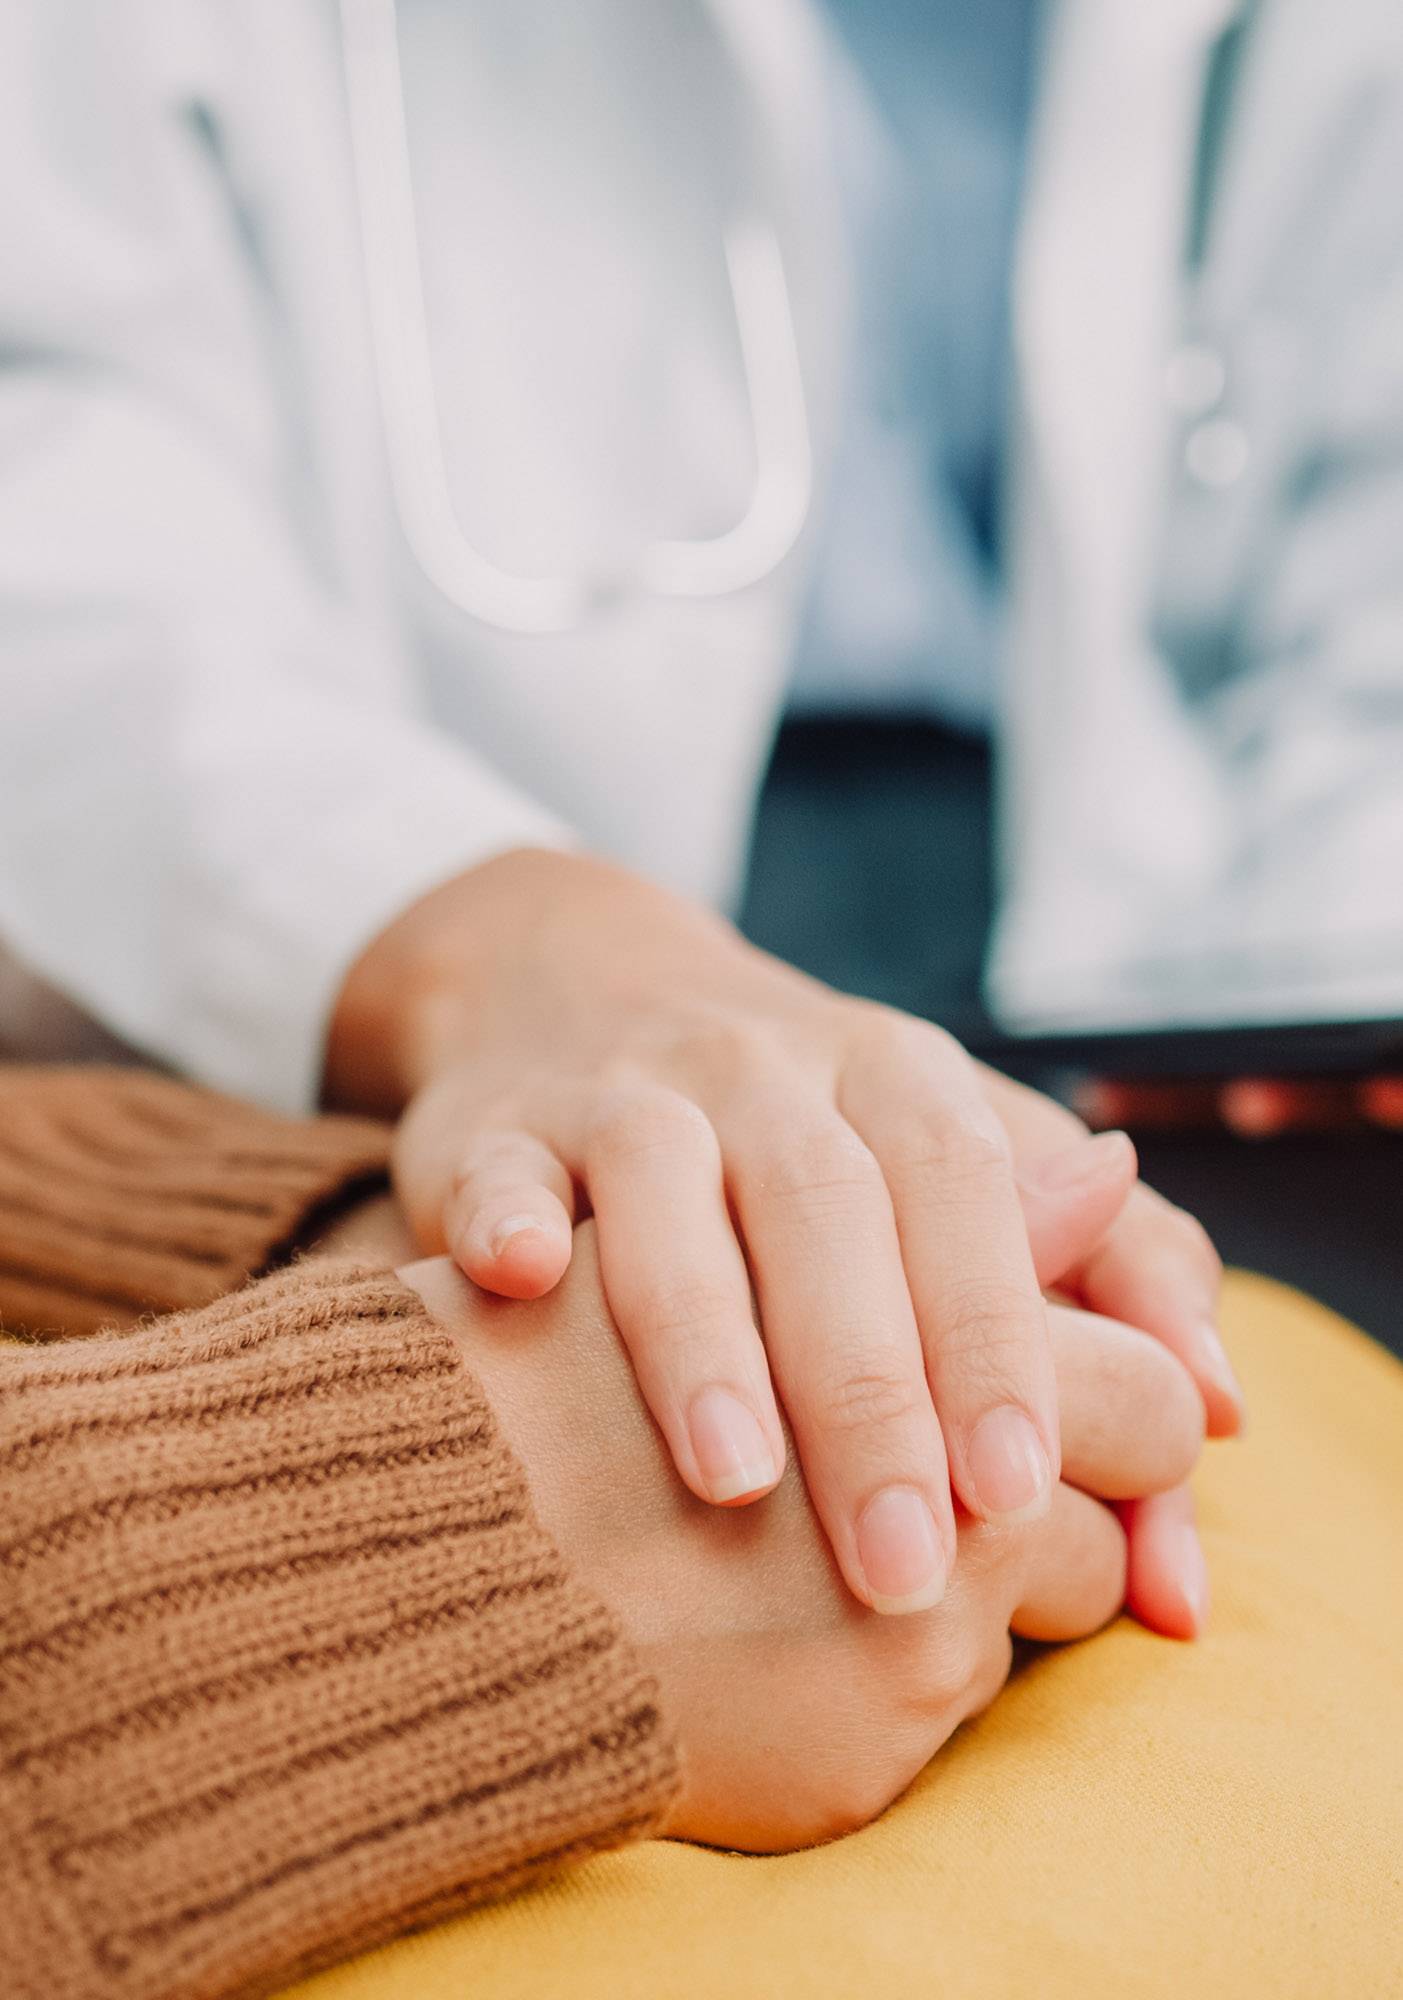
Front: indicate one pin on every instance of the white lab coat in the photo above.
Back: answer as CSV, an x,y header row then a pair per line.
x,y
1202,779
239,730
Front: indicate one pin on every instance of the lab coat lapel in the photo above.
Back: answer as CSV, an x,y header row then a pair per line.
x,y
1098,765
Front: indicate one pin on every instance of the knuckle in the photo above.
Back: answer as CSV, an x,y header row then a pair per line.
x,y
828,1161
980,1137
967,1660
861,1399
686,1309
862,1796
958,1145
725,1049
493,1157
886,1034
1195,1243
1179,1232
956,1659
635,1126
944,1046
989,1681
991,1327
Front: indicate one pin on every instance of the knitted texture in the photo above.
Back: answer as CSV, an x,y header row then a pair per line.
x,y
286,1665
123,1193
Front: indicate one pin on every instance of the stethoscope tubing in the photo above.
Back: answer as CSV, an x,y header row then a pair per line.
x,y
782,489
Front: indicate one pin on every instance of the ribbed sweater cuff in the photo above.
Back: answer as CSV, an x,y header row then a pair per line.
x,y
123,1193
286,1664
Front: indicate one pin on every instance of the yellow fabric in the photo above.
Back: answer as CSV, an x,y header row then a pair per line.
x,y
1134,1818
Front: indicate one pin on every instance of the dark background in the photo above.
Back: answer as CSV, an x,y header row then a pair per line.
x,y
871,870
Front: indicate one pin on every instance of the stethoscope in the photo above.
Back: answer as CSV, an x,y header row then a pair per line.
x,y
783,483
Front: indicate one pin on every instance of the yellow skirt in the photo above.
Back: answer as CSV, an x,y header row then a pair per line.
x,y
1133,1818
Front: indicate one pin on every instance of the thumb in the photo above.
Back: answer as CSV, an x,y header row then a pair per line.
x,y
1071,1198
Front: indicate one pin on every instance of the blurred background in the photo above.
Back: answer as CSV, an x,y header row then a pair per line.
x,y
1024,830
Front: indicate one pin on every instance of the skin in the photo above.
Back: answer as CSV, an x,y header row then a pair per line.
x,y
759,1152
743,1617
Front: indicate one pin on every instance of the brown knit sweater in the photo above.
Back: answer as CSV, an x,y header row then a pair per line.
x,y
286,1664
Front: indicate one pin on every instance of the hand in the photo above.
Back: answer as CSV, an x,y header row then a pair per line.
x,y
800,1714
578,1038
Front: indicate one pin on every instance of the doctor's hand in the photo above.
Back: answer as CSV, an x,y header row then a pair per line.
x,y
575,1039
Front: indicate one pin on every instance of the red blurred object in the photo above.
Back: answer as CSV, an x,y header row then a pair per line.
x,y
1248,1107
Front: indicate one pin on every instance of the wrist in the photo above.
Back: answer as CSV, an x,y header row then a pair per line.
x,y
562,1394
470,957
420,991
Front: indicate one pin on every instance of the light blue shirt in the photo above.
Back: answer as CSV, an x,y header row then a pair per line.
x,y
934,105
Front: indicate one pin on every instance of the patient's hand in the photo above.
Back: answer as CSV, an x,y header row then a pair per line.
x,y
801,1713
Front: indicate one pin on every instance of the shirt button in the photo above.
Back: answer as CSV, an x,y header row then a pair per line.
x,y
1194,378
1216,453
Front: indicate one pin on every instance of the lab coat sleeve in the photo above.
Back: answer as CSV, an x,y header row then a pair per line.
x,y
214,787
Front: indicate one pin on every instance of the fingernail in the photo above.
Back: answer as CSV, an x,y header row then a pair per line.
x,y
899,1549
1213,1359
1087,1160
1192,1573
732,1452
512,1226
1009,1467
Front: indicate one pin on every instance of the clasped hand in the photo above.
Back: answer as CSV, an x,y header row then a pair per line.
x,y
803,1203
800,1713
